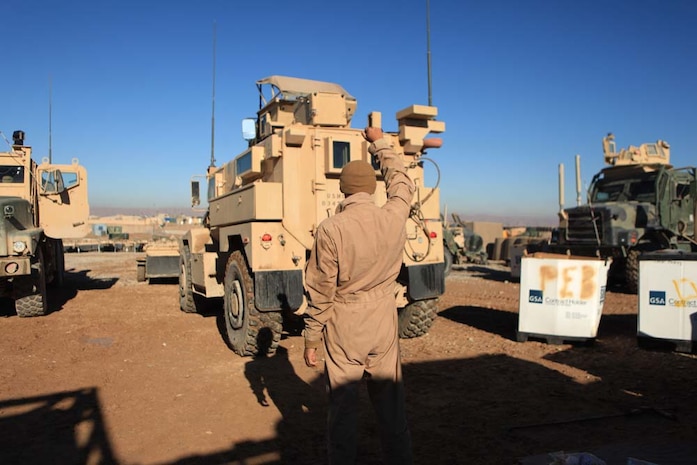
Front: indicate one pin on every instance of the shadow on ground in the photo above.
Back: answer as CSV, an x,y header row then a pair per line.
x,y
492,409
58,296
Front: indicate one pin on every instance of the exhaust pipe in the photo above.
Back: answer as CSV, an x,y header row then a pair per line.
x,y
578,181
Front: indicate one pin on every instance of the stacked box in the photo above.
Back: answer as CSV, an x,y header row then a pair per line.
x,y
668,297
561,297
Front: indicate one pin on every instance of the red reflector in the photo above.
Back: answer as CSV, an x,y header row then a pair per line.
x,y
433,234
633,237
11,268
266,238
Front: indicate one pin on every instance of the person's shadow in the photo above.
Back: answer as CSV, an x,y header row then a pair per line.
x,y
272,379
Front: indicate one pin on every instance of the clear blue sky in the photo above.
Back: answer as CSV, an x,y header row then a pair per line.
x,y
521,85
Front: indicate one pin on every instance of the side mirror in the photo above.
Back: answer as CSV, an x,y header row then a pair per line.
x,y
195,194
249,129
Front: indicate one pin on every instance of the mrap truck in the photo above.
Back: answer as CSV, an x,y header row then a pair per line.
x,y
638,203
42,204
265,205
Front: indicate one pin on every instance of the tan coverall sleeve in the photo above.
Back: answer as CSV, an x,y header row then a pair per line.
x,y
321,275
400,187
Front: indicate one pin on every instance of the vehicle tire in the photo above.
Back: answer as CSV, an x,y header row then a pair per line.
x,y
631,271
249,331
417,318
140,272
448,259
631,263
30,291
187,302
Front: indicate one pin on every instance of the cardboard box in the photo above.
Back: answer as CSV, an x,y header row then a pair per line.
x,y
668,296
561,296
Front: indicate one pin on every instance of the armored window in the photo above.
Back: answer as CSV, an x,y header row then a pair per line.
x,y
211,188
12,174
69,179
643,191
342,154
243,163
607,192
682,191
49,182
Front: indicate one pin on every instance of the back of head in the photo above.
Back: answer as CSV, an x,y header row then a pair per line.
x,y
357,176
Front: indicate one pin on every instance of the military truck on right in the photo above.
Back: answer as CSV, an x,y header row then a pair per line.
x,y
639,203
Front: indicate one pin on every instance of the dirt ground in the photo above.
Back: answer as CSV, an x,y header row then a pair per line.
x,y
118,374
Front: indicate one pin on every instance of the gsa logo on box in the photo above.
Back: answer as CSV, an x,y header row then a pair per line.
x,y
657,298
535,297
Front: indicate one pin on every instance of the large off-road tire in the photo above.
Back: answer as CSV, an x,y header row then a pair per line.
x,y
448,259
187,299
631,271
30,291
417,318
249,331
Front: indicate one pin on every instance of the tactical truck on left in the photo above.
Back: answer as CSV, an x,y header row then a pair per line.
x,y
42,204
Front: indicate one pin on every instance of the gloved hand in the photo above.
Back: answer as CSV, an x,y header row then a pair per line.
x,y
372,134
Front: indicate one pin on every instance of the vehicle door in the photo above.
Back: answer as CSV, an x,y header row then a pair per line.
x,y
63,204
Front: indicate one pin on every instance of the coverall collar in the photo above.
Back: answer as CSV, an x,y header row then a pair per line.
x,y
355,199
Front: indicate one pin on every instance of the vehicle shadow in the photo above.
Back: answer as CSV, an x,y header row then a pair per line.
x,y
506,411
300,432
490,410
63,427
73,282
487,272
490,320
505,324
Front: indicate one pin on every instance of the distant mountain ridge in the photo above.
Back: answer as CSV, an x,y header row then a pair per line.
x,y
144,211
506,220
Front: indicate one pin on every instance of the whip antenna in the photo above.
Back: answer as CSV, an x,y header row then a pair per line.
x,y
50,112
213,104
428,49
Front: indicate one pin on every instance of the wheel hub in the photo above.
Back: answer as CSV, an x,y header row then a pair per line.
x,y
235,308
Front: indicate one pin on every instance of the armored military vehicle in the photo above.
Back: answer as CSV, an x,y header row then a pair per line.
x,y
265,204
461,244
42,204
639,203
161,260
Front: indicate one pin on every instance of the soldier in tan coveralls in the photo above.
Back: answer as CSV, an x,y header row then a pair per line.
x,y
350,279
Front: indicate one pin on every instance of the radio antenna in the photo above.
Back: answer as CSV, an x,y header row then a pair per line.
x,y
213,104
50,112
428,49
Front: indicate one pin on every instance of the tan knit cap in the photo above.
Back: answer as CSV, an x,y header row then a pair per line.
x,y
357,176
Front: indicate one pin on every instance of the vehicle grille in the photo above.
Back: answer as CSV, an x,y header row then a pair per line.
x,y
581,228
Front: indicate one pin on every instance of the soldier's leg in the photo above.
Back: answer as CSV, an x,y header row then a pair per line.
x,y
342,424
386,390
387,396
343,381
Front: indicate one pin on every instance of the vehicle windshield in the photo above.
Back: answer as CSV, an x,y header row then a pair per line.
x,y
11,174
639,188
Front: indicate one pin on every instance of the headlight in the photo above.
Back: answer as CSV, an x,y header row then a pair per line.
x,y
19,246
